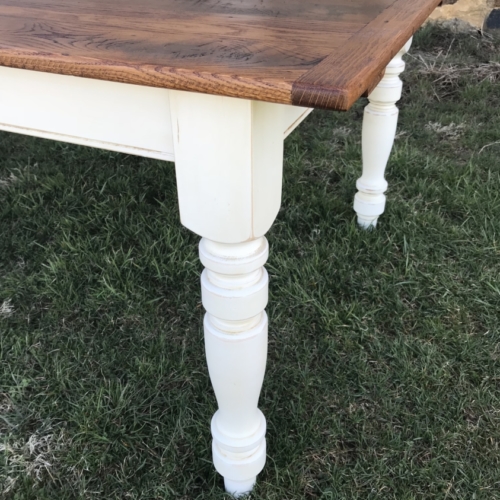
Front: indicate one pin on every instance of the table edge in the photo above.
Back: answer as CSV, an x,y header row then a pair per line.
x,y
355,79
335,83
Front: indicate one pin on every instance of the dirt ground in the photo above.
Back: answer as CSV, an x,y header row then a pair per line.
x,y
473,11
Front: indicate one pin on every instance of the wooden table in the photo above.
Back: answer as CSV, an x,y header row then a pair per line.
x,y
214,86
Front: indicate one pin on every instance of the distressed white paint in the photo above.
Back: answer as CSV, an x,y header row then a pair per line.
x,y
229,158
107,115
293,117
229,162
379,130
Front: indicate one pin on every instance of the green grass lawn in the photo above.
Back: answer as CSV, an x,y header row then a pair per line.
x,y
383,377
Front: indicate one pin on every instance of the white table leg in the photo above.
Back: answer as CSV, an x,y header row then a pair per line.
x,y
379,130
229,157
234,290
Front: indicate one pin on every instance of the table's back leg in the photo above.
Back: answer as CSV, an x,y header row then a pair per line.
x,y
229,159
379,130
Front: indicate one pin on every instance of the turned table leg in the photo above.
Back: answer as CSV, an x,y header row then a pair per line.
x,y
379,130
235,290
229,160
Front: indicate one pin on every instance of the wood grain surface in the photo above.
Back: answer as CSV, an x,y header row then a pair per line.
x,y
338,81
323,53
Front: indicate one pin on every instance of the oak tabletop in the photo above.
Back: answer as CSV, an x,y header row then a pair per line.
x,y
315,53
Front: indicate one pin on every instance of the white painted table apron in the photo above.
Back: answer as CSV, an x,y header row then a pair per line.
x,y
228,156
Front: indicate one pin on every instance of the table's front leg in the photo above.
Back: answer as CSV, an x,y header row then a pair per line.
x,y
234,289
229,156
379,130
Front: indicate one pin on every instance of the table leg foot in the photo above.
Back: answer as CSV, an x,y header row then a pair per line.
x,y
239,488
367,222
235,293
379,130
